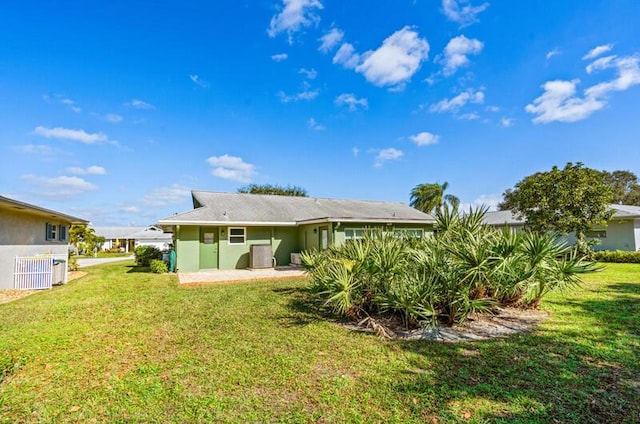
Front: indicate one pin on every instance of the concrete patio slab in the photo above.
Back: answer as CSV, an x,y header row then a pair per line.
x,y
238,275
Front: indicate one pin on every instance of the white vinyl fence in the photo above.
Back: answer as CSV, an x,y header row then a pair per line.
x,y
39,272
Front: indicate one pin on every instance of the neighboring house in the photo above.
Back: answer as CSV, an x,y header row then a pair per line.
x,y
28,231
126,239
622,232
220,231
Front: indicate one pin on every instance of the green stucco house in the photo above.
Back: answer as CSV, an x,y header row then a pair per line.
x,y
225,229
622,232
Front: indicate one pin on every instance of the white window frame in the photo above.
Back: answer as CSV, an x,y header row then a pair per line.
x,y
244,236
355,236
51,232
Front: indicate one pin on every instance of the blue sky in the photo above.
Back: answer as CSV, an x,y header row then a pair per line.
x,y
113,111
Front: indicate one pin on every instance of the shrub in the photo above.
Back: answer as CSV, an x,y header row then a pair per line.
x,y
72,264
464,268
618,256
158,266
145,254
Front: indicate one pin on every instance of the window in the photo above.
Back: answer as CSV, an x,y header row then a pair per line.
x,y
237,235
409,232
596,234
52,232
63,233
209,238
353,233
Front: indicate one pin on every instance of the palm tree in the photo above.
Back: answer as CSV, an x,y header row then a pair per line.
x,y
427,197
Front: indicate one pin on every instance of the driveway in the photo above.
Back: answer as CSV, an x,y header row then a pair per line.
x,y
85,262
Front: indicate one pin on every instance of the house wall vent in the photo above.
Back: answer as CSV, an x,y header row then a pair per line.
x,y
260,256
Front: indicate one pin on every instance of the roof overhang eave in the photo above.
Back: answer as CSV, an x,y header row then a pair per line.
x,y
168,222
368,220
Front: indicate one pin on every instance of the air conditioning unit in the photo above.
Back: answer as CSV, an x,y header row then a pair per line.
x,y
260,256
296,259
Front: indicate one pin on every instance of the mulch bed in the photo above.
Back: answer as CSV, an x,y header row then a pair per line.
x,y
503,323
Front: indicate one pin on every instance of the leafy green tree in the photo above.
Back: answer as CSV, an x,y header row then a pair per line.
x,y
84,238
430,197
274,189
572,199
626,190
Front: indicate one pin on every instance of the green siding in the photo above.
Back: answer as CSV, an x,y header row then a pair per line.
x,y
285,242
237,256
188,248
192,254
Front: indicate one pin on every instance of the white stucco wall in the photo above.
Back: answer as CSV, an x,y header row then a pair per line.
x,y
8,254
636,233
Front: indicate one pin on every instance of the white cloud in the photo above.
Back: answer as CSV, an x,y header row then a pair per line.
x,y
35,149
490,200
232,168
471,116
598,64
59,187
560,101
129,209
597,51
506,122
555,52
330,40
492,109
456,52
386,155
69,134
347,56
306,94
114,117
294,15
308,73
91,170
628,75
396,60
279,57
425,138
355,151
314,125
163,196
199,81
457,102
351,101
461,12
140,104
76,109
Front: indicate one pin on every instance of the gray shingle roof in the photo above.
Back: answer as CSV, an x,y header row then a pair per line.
x,y
508,218
502,218
137,233
260,209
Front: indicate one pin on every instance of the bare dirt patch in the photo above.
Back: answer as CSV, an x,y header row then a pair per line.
x,y
7,296
505,322
74,275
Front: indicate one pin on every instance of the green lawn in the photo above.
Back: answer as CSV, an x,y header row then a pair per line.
x,y
123,346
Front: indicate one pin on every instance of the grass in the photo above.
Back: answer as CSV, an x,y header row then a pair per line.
x,y
120,345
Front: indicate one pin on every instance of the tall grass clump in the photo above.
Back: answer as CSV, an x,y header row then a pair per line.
x,y
464,268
